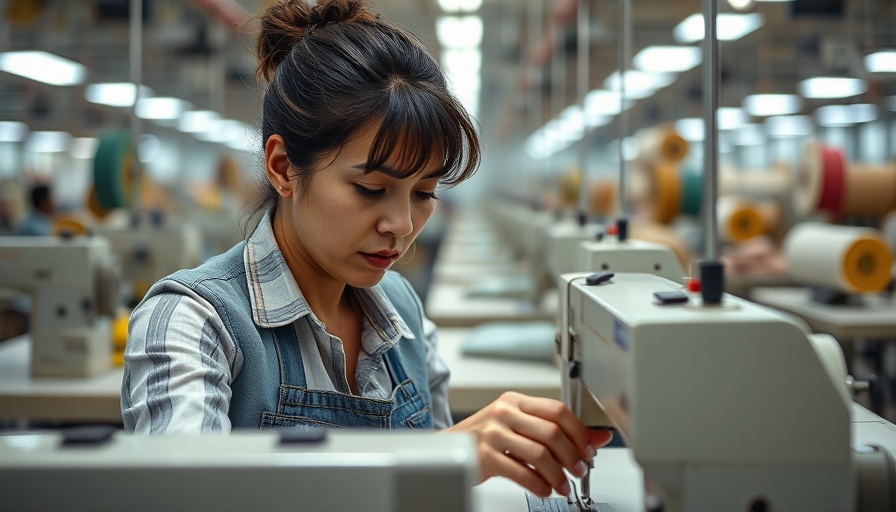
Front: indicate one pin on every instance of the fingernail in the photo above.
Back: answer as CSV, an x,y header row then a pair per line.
x,y
590,452
580,468
564,489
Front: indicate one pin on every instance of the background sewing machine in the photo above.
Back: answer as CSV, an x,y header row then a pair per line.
x,y
73,284
380,471
727,407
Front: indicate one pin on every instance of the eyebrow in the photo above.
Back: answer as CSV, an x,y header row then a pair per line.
x,y
388,171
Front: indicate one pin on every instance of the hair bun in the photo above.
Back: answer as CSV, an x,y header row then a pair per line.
x,y
287,22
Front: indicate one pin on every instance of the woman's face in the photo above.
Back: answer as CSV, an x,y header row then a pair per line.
x,y
351,226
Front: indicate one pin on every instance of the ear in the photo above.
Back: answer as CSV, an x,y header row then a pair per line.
x,y
276,165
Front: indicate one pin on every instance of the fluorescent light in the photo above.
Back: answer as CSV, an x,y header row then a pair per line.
x,y
663,59
748,135
639,84
730,118
197,121
160,108
788,126
845,115
729,27
460,5
881,62
761,105
459,32
43,67
116,94
48,142
601,102
831,87
84,148
12,131
691,129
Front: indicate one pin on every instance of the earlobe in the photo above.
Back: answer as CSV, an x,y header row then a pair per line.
x,y
276,165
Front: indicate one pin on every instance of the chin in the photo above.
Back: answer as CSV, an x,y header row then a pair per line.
x,y
367,279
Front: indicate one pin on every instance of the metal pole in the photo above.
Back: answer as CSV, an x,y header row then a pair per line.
x,y
584,43
558,91
136,73
712,278
625,50
535,105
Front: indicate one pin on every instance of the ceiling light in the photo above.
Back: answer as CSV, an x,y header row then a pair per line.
x,y
788,126
845,115
160,108
460,32
117,94
639,84
84,148
831,87
730,118
460,5
48,142
662,59
601,102
881,62
43,67
762,105
742,5
729,27
196,121
12,131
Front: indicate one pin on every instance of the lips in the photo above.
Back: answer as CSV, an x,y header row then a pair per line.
x,y
381,259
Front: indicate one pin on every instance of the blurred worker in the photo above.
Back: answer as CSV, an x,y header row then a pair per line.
x,y
303,323
38,221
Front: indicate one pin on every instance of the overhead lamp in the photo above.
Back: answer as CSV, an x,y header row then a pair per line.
x,y
12,131
827,87
691,129
729,27
788,126
48,142
160,108
84,148
762,105
601,102
638,84
845,115
459,32
748,135
460,5
115,94
742,5
730,118
43,67
668,59
881,62
196,121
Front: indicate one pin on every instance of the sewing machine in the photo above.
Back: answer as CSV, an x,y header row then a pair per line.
x,y
375,471
630,255
728,407
73,284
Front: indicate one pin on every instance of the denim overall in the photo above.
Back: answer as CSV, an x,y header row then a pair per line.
x,y
270,390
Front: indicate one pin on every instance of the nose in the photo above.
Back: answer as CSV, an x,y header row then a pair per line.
x,y
396,220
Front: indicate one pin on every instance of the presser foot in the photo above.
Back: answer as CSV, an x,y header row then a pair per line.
x,y
561,504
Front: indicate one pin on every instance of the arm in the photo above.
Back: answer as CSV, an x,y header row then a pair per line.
x,y
179,363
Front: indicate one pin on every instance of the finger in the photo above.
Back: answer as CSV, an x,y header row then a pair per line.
x,y
599,437
499,464
555,411
553,437
539,457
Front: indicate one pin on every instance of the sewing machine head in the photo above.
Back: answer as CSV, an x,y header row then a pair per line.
x,y
723,406
73,284
246,470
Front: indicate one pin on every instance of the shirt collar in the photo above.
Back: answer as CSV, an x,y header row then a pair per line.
x,y
277,300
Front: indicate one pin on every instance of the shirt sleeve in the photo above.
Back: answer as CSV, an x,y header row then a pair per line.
x,y
178,365
438,377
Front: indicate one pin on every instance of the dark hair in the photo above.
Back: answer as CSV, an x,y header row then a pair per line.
x,y
40,194
336,67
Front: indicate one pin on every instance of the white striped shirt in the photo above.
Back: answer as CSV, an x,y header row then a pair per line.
x,y
179,354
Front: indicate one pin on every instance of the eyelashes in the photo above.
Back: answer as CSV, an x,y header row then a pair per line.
x,y
372,193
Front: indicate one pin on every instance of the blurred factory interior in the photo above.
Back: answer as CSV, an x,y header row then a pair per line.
x,y
803,154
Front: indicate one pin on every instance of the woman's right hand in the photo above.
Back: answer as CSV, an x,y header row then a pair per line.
x,y
530,440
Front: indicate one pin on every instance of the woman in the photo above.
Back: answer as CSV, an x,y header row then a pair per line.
x,y
303,323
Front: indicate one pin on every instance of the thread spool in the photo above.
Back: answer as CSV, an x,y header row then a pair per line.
x,y
738,219
666,193
827,182
764,183
661,144
112,169
845,258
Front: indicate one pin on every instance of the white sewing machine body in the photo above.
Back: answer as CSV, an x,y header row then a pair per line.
x,y
723,407
73,284
377,471
610,254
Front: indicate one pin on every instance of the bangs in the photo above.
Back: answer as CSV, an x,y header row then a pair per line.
x,y
422,126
